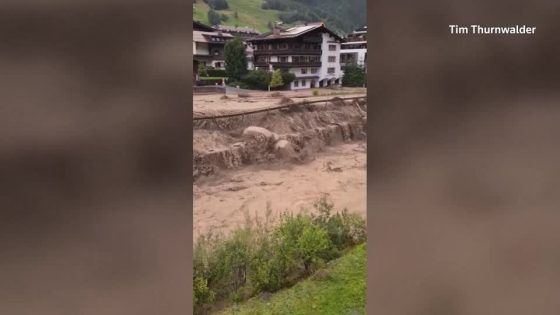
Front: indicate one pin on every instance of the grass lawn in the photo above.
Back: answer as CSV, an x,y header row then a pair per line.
x,y
342,290
249,12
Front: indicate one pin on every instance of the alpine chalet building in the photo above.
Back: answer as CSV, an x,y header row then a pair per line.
x,y
311,52
208,46
353,51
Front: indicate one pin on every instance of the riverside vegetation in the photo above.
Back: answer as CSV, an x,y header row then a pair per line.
x,y
271,253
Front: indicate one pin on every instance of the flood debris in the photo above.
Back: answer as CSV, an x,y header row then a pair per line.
x,y
257,132
294,135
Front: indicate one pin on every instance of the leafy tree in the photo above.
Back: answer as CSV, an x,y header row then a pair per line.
x,y
257,79
287,77
224,17
276,80
236,14
214,17
235,58
353,76
219,4
202,70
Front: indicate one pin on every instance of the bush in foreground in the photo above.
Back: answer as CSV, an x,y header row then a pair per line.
x,y
268,256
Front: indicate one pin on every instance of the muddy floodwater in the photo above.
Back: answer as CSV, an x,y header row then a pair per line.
x,y
222,200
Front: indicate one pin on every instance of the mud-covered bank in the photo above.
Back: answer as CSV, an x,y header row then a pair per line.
x,y
294,134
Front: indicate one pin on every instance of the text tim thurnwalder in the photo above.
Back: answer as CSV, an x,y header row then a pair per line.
x,y
479,29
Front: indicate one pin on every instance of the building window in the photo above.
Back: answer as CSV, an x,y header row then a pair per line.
x,y
304,71
332,58
330,70
283,59
314,70
283,46
303,82
296,83
332,47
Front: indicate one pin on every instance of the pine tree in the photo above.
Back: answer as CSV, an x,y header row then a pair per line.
x,y
214,17
276,80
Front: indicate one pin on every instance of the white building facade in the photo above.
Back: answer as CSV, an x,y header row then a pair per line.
x,y
354,48
310,52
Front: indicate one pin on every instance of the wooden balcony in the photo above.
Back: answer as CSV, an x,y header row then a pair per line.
x,y
289,64
282,52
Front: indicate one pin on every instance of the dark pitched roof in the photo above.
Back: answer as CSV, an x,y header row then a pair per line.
x,y
295,32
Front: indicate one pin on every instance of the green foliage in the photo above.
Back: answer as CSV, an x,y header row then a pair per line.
x,y
202,294
235,58
287,77
354,76
266,257
260,79
340,290
276,80
315,93
303,243
344,229
202,70
340,16
257,79
214,17
218,4
223,17
236,14
279,5
216,73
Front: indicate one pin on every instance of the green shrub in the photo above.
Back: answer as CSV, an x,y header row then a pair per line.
x,y
202,70
257,79
276,79
202,294
218,4
315,93
266,256
302,243
214,17
344,229
216,73
287,77
354,76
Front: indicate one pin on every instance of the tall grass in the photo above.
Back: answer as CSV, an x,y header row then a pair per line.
x,y
270,253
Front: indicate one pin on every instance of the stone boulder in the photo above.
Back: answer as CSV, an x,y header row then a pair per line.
x,y
259,132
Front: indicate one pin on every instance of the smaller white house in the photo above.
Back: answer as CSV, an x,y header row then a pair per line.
x,y
354,49
208,48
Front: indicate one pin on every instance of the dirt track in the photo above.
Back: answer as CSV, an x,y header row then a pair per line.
x,y
259,99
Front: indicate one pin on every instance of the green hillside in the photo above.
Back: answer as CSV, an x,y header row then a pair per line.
x,y
339,289
249,14
340,16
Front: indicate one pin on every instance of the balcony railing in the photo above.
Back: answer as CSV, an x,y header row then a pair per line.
x,y
288,52
288,64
